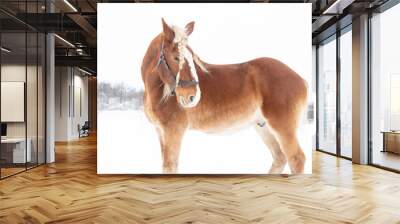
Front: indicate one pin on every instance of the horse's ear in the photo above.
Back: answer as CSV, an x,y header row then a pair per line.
x,y
189,28
168,32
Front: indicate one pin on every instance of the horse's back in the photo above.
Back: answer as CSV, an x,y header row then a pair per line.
x,y
265,77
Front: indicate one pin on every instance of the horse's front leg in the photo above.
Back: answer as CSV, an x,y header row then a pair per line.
x,y
170,139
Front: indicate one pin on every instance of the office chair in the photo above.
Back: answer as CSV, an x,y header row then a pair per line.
x,y
84,130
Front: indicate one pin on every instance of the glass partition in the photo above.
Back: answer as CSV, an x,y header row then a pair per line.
x,y
31,100
32,90
14,153
346,93
41,91
22,101
385,89
327,96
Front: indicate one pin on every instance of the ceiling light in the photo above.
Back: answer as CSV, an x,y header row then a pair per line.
x,y
5,50
84,71
64,40
79,51
338,6
70,5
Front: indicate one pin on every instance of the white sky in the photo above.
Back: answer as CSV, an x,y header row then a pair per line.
x,y
223,33
282,31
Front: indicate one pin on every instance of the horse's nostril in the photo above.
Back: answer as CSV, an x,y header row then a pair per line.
x,y
191,99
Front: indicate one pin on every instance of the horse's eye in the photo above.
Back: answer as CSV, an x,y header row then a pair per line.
x,y
176,58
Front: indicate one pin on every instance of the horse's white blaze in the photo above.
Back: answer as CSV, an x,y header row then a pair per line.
x,y
189,58
185,55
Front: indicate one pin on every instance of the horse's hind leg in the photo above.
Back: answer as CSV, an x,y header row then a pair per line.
x,y
170,141
293,152
279,159
285,132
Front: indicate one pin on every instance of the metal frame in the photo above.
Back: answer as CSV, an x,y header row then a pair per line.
x,y
369,81
26,89
45,89
317,98
37,90
0,93
387,5
338,98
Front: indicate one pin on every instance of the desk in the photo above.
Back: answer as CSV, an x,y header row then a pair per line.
x,y
13,150
391,141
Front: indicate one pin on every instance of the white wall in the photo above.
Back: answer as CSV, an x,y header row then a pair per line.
x,y
71,94
16,73
62,81
79,117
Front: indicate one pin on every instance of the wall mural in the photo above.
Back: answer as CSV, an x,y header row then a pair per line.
x,y
195,88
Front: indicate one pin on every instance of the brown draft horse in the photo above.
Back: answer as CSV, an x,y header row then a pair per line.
x,y
182,92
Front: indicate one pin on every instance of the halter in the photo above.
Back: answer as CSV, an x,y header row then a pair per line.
x,y
180,83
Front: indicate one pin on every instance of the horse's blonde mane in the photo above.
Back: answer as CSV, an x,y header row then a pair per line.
x,y
181,39
180,35
199,63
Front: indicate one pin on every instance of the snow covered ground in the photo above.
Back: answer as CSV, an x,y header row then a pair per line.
x,y
128,144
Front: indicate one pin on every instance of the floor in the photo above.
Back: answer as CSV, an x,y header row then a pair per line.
x,y
70,191
388,159
10,171
5,172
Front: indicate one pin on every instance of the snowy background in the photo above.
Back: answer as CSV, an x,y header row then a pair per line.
x,y
128,143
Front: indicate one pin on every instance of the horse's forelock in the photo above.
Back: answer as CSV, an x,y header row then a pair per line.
x,y
180,35
181,39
